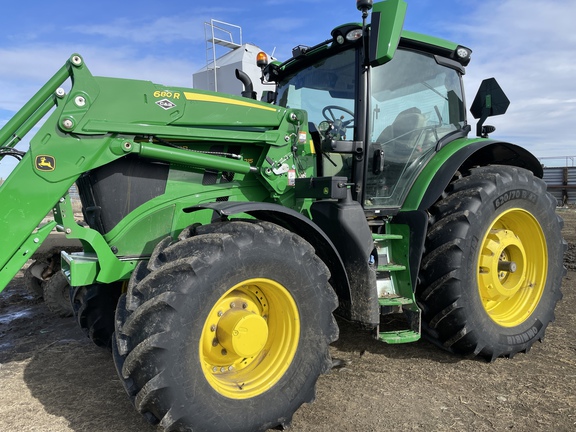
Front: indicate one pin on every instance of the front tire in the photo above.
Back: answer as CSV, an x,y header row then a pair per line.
x,y
94,307
57,295
491,275
226,329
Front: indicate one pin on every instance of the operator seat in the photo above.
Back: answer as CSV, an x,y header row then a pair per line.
x,y
403,132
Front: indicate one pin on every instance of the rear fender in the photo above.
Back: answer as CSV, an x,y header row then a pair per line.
x,y
459,156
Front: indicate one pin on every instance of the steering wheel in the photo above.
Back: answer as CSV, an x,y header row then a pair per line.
x,y
338,121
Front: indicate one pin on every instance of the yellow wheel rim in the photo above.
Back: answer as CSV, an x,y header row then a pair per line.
x,y
512,267
249,338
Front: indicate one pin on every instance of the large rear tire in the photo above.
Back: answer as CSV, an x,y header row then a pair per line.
x,y
491,275
226,329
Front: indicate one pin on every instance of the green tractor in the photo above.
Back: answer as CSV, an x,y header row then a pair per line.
x,y
222,234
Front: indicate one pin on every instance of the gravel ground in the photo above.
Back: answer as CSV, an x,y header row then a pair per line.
x,y
54,379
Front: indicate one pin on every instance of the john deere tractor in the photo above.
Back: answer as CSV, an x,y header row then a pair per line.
x,y
223,233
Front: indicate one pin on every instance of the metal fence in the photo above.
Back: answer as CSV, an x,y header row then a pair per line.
x,y
561,182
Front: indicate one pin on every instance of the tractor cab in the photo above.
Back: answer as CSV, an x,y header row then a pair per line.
x,y
376,122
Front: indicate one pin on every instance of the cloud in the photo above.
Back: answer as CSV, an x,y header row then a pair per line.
x,y
528,47
163,30
26,68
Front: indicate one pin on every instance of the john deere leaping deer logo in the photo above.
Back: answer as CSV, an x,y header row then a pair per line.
x,y
45,163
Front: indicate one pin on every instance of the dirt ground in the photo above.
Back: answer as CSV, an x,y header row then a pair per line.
x,y
53,379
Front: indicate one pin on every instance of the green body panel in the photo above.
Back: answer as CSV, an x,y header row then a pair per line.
x,y
430,40
387,23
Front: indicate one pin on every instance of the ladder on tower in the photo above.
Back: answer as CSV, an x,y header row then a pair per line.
x,y
219,34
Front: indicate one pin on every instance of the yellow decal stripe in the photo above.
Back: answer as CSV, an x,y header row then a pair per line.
x,y
219,99
312,149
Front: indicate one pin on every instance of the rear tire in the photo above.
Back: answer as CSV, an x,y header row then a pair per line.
x,y
491,275
179,345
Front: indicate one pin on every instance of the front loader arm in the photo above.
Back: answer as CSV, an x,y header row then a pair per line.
x,y
104,119
53,163
25,198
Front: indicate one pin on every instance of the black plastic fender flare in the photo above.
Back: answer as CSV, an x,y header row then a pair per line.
x,y
296,223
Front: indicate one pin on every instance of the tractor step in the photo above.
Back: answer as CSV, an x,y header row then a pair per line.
x,y
383,237
400,318
390,268
395,301
399,336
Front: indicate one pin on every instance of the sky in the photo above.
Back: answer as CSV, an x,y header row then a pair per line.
x,y
527,45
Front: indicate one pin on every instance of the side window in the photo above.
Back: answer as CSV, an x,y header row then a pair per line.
x,y
411,93
414,103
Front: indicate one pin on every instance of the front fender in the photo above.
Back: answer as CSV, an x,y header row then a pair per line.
x,y
298,224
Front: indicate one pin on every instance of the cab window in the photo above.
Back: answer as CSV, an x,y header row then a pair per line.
x,y
414,103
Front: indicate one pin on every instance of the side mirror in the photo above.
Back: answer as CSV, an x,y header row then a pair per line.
x,y
489,101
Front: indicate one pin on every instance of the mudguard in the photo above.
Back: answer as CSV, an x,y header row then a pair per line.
x,y
298,224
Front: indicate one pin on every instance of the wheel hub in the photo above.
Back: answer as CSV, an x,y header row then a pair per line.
x,y
502,271
242,332
512,267
249,338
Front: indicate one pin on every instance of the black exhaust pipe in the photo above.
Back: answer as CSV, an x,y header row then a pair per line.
x,y
248,87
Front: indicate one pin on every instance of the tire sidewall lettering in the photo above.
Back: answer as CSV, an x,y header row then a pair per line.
x,y
515,194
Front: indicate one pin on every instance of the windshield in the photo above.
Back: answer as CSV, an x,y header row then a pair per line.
x,y
329,82
327,91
